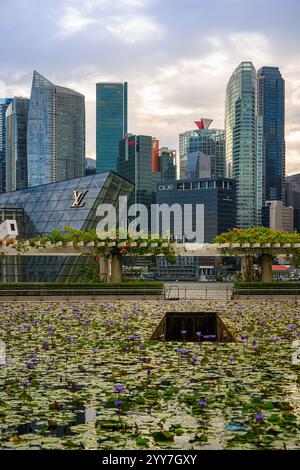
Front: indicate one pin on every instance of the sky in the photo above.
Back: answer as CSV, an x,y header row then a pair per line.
x,y
176,55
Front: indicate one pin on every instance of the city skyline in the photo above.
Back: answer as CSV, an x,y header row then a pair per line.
x,y
173,81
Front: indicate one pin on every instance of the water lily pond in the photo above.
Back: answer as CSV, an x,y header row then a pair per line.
x,y
87,376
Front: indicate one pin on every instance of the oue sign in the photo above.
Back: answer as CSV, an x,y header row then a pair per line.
x,y
166,187
78,197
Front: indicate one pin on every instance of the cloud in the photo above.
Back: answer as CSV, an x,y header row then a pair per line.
x,y
127,27
252,46
134,29
73,21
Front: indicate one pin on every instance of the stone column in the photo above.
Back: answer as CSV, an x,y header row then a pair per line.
x,y
103,269
246,265
266,268
116,268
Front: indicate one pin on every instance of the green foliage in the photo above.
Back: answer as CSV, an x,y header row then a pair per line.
x,y
265,288
273,285
162,246
79,286
257,235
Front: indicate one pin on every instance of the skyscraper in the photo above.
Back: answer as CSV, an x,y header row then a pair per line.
x,y
16,144
211,142
111,123
292,198
4,103
55,134
241,141
167,164
135,164
271,112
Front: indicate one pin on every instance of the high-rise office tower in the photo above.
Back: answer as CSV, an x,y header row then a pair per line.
x,y
241,141
167,164
55,134
90,166
292,197
135,164
271,115
155,154
211,142
4,103
111,123
16,144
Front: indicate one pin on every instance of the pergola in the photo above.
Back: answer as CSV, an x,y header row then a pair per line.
x,y
264,251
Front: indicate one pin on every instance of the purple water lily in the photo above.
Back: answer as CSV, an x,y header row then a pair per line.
x,y
202,403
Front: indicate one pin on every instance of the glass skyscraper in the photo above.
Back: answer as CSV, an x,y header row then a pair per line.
x,y
241,141
271,112
211,142
135,164
16,144
111,123
4,103
55,134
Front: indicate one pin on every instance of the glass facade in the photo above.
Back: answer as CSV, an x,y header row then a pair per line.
x,y
292,198
4,103
167,164
211,142
217,195
241,141
55,134
51,206
16,144
198,165
271,111
111,123
135,164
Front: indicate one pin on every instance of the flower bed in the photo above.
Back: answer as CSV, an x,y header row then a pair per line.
x,y
87,376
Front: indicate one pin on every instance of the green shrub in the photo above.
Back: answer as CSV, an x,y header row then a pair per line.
x,y
72,286
267,288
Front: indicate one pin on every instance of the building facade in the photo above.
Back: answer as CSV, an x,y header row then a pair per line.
x,y
217,195
16,144
271,111
135,164
210,142
4,103
55,133
111,123
292,191
40,209
167,164
241,141
90,166
198,165
277,216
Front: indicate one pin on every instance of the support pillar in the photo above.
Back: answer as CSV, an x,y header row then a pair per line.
x,y
266,268
116,268
246,265
103,269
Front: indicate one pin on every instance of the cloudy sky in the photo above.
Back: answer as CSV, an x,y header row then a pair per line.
x,y
177,55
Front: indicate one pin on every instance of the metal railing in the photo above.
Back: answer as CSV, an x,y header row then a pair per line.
x,y
198,293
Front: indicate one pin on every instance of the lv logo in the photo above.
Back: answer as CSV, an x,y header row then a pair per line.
x,y
78,198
